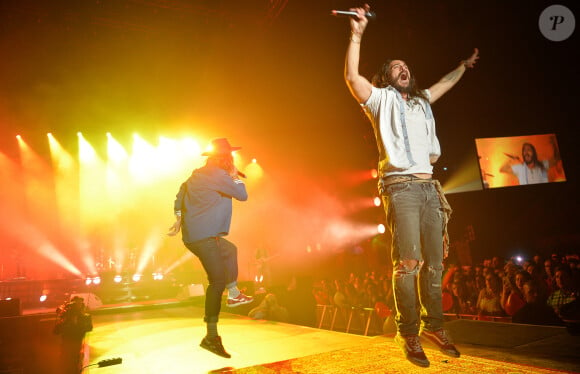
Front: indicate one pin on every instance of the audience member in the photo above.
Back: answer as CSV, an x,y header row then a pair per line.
x,y
269,309
340,296
535,311
564,294
323,293
488,302
462,302
512,298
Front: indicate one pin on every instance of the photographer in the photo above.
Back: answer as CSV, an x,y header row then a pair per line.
x,y
72,323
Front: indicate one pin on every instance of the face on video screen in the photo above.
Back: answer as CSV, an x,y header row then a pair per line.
x,y
519,160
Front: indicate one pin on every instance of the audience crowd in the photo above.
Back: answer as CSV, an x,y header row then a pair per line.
x,y
537,291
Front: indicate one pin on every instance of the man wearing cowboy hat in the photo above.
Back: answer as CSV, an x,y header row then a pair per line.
x,y
203,211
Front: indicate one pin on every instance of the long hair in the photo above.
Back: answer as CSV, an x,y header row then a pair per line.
x,y
224,161
534,155
382,79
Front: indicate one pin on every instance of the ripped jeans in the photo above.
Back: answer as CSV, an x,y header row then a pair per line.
x,y
416,221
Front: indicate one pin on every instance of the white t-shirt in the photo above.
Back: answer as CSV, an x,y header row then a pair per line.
x,y
531,176
405,133
418,137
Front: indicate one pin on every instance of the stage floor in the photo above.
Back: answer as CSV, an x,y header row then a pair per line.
x,y
166,340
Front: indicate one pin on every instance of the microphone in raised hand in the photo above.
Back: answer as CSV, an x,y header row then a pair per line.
x,y
513,157
348,13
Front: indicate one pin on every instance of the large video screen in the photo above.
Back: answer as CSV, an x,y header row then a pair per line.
x,y
519,160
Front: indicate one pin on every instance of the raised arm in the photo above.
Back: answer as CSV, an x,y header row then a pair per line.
x,y
359,86
507,168
449,80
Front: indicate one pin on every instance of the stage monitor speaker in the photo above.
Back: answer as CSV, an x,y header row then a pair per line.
x,y
500,334
10,308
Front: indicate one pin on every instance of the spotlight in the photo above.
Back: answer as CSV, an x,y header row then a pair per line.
x,y
374,173
377,201
136,277
43,298
117,278
157,276
96,280
381,228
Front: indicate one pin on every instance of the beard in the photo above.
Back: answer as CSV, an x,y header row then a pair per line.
x,y
408,89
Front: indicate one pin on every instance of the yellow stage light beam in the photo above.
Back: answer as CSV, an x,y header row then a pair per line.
x,y
119,252
357,204
339,232
48,251
467,178
66,185
32,238
68,197
187,256
38,187
116,153
152,245
118,183
87,154
142,162
94,202
87,257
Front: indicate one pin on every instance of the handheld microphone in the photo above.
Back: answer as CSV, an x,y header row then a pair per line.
x,y
511,156
348,13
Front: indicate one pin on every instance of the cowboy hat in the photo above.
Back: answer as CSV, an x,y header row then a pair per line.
x,y
219,147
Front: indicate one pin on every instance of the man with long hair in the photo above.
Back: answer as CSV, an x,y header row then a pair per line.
x,y
416,209
531,170
203,212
